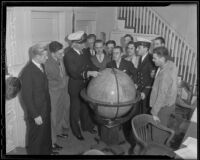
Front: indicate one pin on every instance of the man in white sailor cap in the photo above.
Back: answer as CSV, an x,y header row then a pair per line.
x,y
80,69
144,80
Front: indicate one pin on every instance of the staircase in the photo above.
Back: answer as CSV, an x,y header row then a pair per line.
x,y
144,20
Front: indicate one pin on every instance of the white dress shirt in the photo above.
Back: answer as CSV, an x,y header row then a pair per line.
x,y
38,65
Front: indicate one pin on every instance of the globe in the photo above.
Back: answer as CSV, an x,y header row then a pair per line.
x,y
111,94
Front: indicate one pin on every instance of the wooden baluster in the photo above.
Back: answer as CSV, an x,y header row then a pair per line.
x,y
178,47
150,22
185,73
146,20
175,49
154,23
179,56
183,69
182,57
189,65
195,81
134,17
160,27
128,17
170,42
141,18
163,30
131,17
137,20
193,69
166,36
156,28
143,22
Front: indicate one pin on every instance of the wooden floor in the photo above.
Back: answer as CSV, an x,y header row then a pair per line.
x,y
72,146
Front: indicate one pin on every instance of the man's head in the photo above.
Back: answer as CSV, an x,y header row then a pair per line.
x,y
56,49
127,38
117,53
159,41
160,56
110,45
99,46
39,53
131,48
142,46
90,40
78,39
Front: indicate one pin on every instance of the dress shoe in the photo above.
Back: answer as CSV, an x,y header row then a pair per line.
x,y
93,131
56,147
54,153
80,137
62,135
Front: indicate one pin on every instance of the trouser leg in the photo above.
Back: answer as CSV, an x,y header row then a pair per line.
x,y
75,114
87,123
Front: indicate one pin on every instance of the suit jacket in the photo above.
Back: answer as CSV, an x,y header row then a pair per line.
x,y
164,90
87,50
35,92
101,65
52,68
125,66
143,78
77,66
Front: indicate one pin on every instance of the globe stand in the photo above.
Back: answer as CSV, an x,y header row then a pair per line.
x,y
111,133
110,130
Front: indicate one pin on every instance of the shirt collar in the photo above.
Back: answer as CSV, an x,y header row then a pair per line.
x,y
143,57
77,50
37,64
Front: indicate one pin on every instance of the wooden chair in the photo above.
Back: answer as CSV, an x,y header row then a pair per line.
x,y
151,137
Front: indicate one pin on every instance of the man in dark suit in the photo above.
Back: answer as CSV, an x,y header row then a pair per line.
x,y
120,63
80,69
91,38
144,78
36,98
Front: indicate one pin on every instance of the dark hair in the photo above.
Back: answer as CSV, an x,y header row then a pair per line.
x,y
118,47
162,52
161,39
111,42
128,35
131,42
54,46
98,41
91,36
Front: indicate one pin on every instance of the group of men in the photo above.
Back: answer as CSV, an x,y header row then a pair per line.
x,y
53,79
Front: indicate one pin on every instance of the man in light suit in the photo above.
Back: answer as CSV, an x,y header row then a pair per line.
x,y
164,90
36,99
60,100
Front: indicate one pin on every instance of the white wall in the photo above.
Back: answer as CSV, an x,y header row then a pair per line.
x,y
105,20
183,18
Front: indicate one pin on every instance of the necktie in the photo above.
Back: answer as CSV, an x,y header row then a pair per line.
x,y
140,61
61,69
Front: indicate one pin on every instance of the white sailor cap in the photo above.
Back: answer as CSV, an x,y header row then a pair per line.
x,y
142,41
79,37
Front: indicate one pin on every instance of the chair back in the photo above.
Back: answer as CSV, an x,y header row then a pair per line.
x,y
146,130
